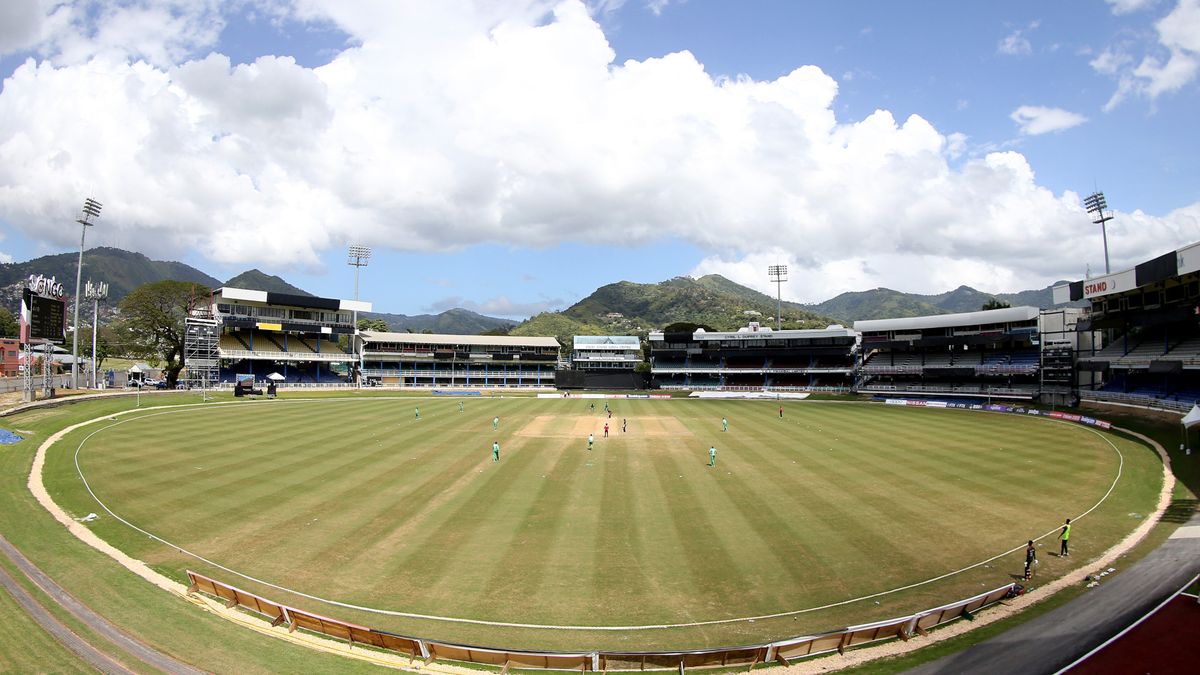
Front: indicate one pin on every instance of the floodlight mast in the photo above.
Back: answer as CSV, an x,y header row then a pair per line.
x,y
91,209
358,255
1095,205
95,293
778,274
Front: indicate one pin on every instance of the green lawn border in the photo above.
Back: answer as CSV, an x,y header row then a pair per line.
x,y
1184,490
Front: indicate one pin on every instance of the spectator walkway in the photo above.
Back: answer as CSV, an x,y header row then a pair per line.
x,y
1054,640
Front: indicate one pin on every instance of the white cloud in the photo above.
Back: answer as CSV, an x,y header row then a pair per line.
x,y
449,124
21,24
1127,6
656,7
1034,120
1167,67
1015,44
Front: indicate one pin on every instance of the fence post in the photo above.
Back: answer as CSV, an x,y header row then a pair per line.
x,y
770,654
596,661
424,649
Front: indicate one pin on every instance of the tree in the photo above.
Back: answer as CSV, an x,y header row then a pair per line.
x,y
103,348
995,303
8,324
378,325
152,318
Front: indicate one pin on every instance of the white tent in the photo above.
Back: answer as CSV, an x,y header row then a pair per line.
x,y
1192,418
276,376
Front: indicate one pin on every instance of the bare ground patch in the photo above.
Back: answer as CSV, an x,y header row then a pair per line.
x,y
579,426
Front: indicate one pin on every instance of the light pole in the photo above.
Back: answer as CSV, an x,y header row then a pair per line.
x,y
95,293
91,209
358,257
1095,205
778,274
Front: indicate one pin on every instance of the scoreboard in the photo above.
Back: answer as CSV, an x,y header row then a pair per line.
x,y
43,318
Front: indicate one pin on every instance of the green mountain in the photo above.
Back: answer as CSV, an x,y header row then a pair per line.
x,y
123,270
884,303
451,322
256,280
712,300
627,308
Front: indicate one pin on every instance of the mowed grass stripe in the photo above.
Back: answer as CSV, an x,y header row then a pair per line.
x,y
519,570
388,520
619,571
154,440
564,563
474,526
709,563
644,534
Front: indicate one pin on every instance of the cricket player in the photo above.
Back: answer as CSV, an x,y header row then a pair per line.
x,y
495,451
712,456
724,424
460,406
495,423
417,411
591,440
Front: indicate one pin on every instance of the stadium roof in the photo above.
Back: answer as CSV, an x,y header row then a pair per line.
x,y
1176,263
290,300
765,333
981,318
607,342
438,339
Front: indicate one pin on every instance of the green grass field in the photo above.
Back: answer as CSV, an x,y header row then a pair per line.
x,y
356,501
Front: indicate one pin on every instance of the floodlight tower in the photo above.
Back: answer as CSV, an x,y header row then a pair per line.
x,y
91,209
778,274
358,257
1095,205
95,293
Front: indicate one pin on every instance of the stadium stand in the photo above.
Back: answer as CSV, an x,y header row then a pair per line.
x,y
994,353
754,357
603,362
295,336
1148,316
424,360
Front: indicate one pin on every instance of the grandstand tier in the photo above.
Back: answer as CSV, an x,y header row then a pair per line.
x,y
754,357
298,339
1147,315
990,353
424,360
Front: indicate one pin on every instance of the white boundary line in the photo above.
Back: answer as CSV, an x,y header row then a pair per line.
x,y
1131,626
412,615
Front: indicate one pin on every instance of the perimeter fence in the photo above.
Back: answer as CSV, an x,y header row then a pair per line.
x,y
781,651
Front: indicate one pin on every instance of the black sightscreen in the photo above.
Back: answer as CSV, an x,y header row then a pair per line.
x,y
307,301
1163,267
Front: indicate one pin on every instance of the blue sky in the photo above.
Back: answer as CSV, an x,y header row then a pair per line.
x,y
510,156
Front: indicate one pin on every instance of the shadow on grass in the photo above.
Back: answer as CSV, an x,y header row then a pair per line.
x,y
1180,510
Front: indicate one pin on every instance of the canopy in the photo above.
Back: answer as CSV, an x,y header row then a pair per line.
x,y
276,376
140,368
1192,418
